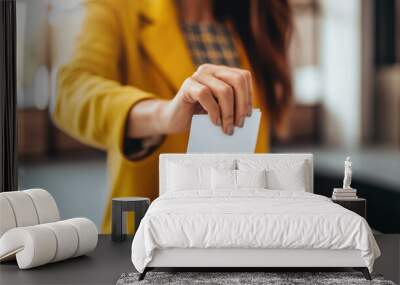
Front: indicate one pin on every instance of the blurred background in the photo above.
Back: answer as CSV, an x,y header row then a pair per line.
x,y
345,58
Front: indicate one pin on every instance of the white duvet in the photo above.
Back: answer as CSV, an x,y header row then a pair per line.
x,y
250,219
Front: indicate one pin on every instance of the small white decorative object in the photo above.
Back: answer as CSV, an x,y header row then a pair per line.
x,y
347,192
347,173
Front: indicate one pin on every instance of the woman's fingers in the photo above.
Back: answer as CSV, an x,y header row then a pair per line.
x,y
197,92
238,79
224,94
239,84
250,91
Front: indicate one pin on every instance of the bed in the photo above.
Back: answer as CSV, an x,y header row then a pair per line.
x,y
247,211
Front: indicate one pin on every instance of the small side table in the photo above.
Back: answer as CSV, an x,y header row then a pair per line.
x,y
357,205
138,205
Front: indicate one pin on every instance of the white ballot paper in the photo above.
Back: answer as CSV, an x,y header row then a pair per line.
x,y
205,137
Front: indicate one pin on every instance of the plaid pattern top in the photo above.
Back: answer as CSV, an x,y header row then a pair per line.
x,y
211,43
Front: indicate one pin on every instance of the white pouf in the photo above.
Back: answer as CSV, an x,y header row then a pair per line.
x,y
67,237
46,207
30,230
23,208
40,244
7,220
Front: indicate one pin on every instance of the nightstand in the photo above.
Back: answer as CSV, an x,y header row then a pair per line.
x,y
358,205
138,205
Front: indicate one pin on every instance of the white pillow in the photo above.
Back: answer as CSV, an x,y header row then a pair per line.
x,y
223,179
285,174
193,176
251,178
290,179
237,179
186,177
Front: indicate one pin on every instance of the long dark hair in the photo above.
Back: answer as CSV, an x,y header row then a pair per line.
x,y
265,28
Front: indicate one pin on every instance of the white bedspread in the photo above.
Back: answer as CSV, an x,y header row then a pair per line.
x,y
250,219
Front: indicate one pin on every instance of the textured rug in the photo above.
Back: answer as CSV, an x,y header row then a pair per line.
x,y
231,278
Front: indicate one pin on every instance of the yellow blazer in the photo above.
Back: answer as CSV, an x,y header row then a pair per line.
x,y
127,51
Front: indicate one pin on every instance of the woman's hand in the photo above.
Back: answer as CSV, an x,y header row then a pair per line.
x,y
222,92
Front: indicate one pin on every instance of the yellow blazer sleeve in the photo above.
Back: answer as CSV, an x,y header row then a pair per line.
x,y
92,105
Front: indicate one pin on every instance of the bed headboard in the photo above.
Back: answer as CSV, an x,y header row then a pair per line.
x,y
170,157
